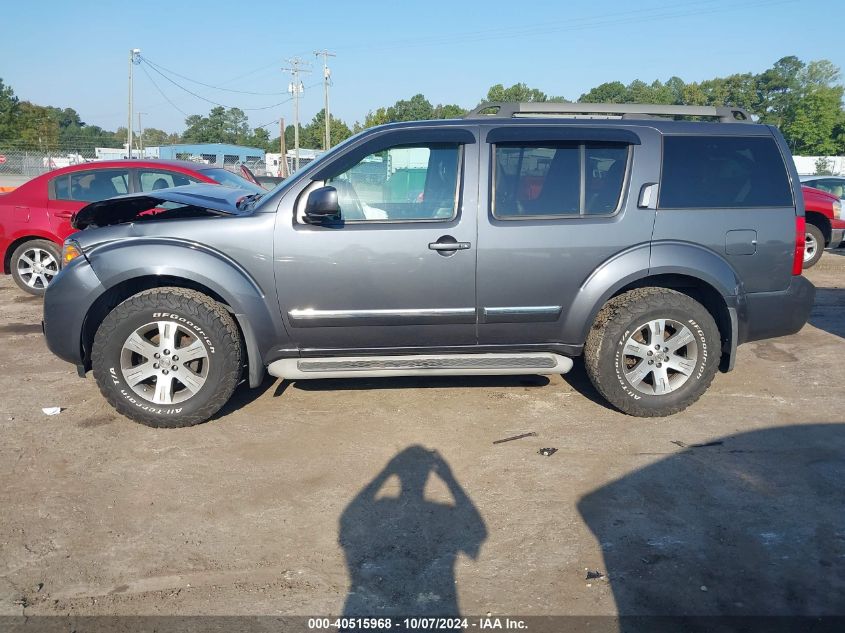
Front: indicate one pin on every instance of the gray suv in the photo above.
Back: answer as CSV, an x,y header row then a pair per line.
x,y
652,240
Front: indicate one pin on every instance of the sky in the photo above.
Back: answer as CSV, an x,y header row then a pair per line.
x,y
75,54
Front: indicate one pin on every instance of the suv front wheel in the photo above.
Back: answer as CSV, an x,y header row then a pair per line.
x,y
167,357
652,351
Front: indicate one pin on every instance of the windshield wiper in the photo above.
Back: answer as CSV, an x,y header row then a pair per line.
x,y
248,201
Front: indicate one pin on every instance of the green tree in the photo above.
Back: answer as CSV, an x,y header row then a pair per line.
x,y
676,86
448,111
206,129
35,128
260,138
810,126
417,108
313,133
379,117
153,137
519,93
608,92
235,127
9,108
779,89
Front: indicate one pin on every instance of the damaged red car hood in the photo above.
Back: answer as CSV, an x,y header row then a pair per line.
x,y
197,200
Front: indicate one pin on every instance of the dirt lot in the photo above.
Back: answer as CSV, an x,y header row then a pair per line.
x,y
266,509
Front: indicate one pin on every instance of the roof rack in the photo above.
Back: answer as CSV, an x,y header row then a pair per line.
x,y
725,114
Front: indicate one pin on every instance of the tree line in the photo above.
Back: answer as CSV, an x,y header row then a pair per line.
x,y
803,99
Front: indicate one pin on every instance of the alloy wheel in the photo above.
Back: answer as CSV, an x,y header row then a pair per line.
x,y
164,362
37,267
659,356
811,246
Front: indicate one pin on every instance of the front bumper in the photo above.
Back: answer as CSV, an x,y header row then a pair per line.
x,y
837,233
66,303
771,314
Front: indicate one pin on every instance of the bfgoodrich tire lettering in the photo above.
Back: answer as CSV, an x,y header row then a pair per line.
x,y
136,358
641,333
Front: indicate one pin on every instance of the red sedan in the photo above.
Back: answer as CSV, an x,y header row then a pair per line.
x,y
35,217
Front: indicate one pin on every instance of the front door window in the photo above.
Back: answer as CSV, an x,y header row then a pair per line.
x,y
401,184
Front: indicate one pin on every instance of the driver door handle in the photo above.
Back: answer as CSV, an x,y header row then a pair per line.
x,y
449,246
449,243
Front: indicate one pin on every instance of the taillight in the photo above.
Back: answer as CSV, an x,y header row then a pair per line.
x,y
798,256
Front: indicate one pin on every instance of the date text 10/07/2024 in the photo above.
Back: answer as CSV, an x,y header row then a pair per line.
x,y
416,624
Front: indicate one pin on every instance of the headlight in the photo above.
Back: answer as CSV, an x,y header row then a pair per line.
x,y
70,251
837,210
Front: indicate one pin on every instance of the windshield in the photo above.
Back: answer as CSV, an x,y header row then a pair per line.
x,y
228,179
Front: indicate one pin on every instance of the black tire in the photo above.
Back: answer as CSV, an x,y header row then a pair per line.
x,y
620,319
31,282
195,316
815,234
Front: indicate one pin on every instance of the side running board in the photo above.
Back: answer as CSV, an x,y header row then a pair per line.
x,y
420,365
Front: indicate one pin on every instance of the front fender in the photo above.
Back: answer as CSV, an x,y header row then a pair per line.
x,y
124,260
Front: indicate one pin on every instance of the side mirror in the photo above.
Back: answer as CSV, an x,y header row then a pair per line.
x,y
322,206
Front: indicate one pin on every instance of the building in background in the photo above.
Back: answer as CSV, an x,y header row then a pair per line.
x,y
222,154
274,160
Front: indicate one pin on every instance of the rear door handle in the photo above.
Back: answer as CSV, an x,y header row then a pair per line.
x,y
449,246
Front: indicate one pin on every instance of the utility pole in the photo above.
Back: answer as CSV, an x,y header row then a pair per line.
x,y
134,58
296,89
140,135
284,166
327,74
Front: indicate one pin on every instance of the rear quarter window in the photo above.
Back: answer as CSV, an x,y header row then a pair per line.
x,y
718,172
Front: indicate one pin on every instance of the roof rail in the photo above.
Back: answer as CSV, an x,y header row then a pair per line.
x,y
725,114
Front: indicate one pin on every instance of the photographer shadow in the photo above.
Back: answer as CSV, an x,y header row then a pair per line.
x,y
401,550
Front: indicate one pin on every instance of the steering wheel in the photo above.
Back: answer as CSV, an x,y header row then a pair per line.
x,y
350,205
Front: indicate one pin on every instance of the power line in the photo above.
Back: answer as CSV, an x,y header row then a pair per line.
x,y
277,119
244,92
570,24
161,92
217,103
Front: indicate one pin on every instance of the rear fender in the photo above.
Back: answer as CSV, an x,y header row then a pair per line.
x,y
611,275
693,260
635,266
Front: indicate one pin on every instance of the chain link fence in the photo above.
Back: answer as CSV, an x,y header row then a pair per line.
x,y
28,164
17,165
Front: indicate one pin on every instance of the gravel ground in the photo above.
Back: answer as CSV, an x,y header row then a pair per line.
x,y
344,496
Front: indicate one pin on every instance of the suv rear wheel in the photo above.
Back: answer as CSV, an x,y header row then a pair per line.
x,y
652,351
167,357
34,264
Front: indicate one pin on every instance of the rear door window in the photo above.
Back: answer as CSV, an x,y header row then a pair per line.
x,y
558,179
93,185
719,172
154,179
